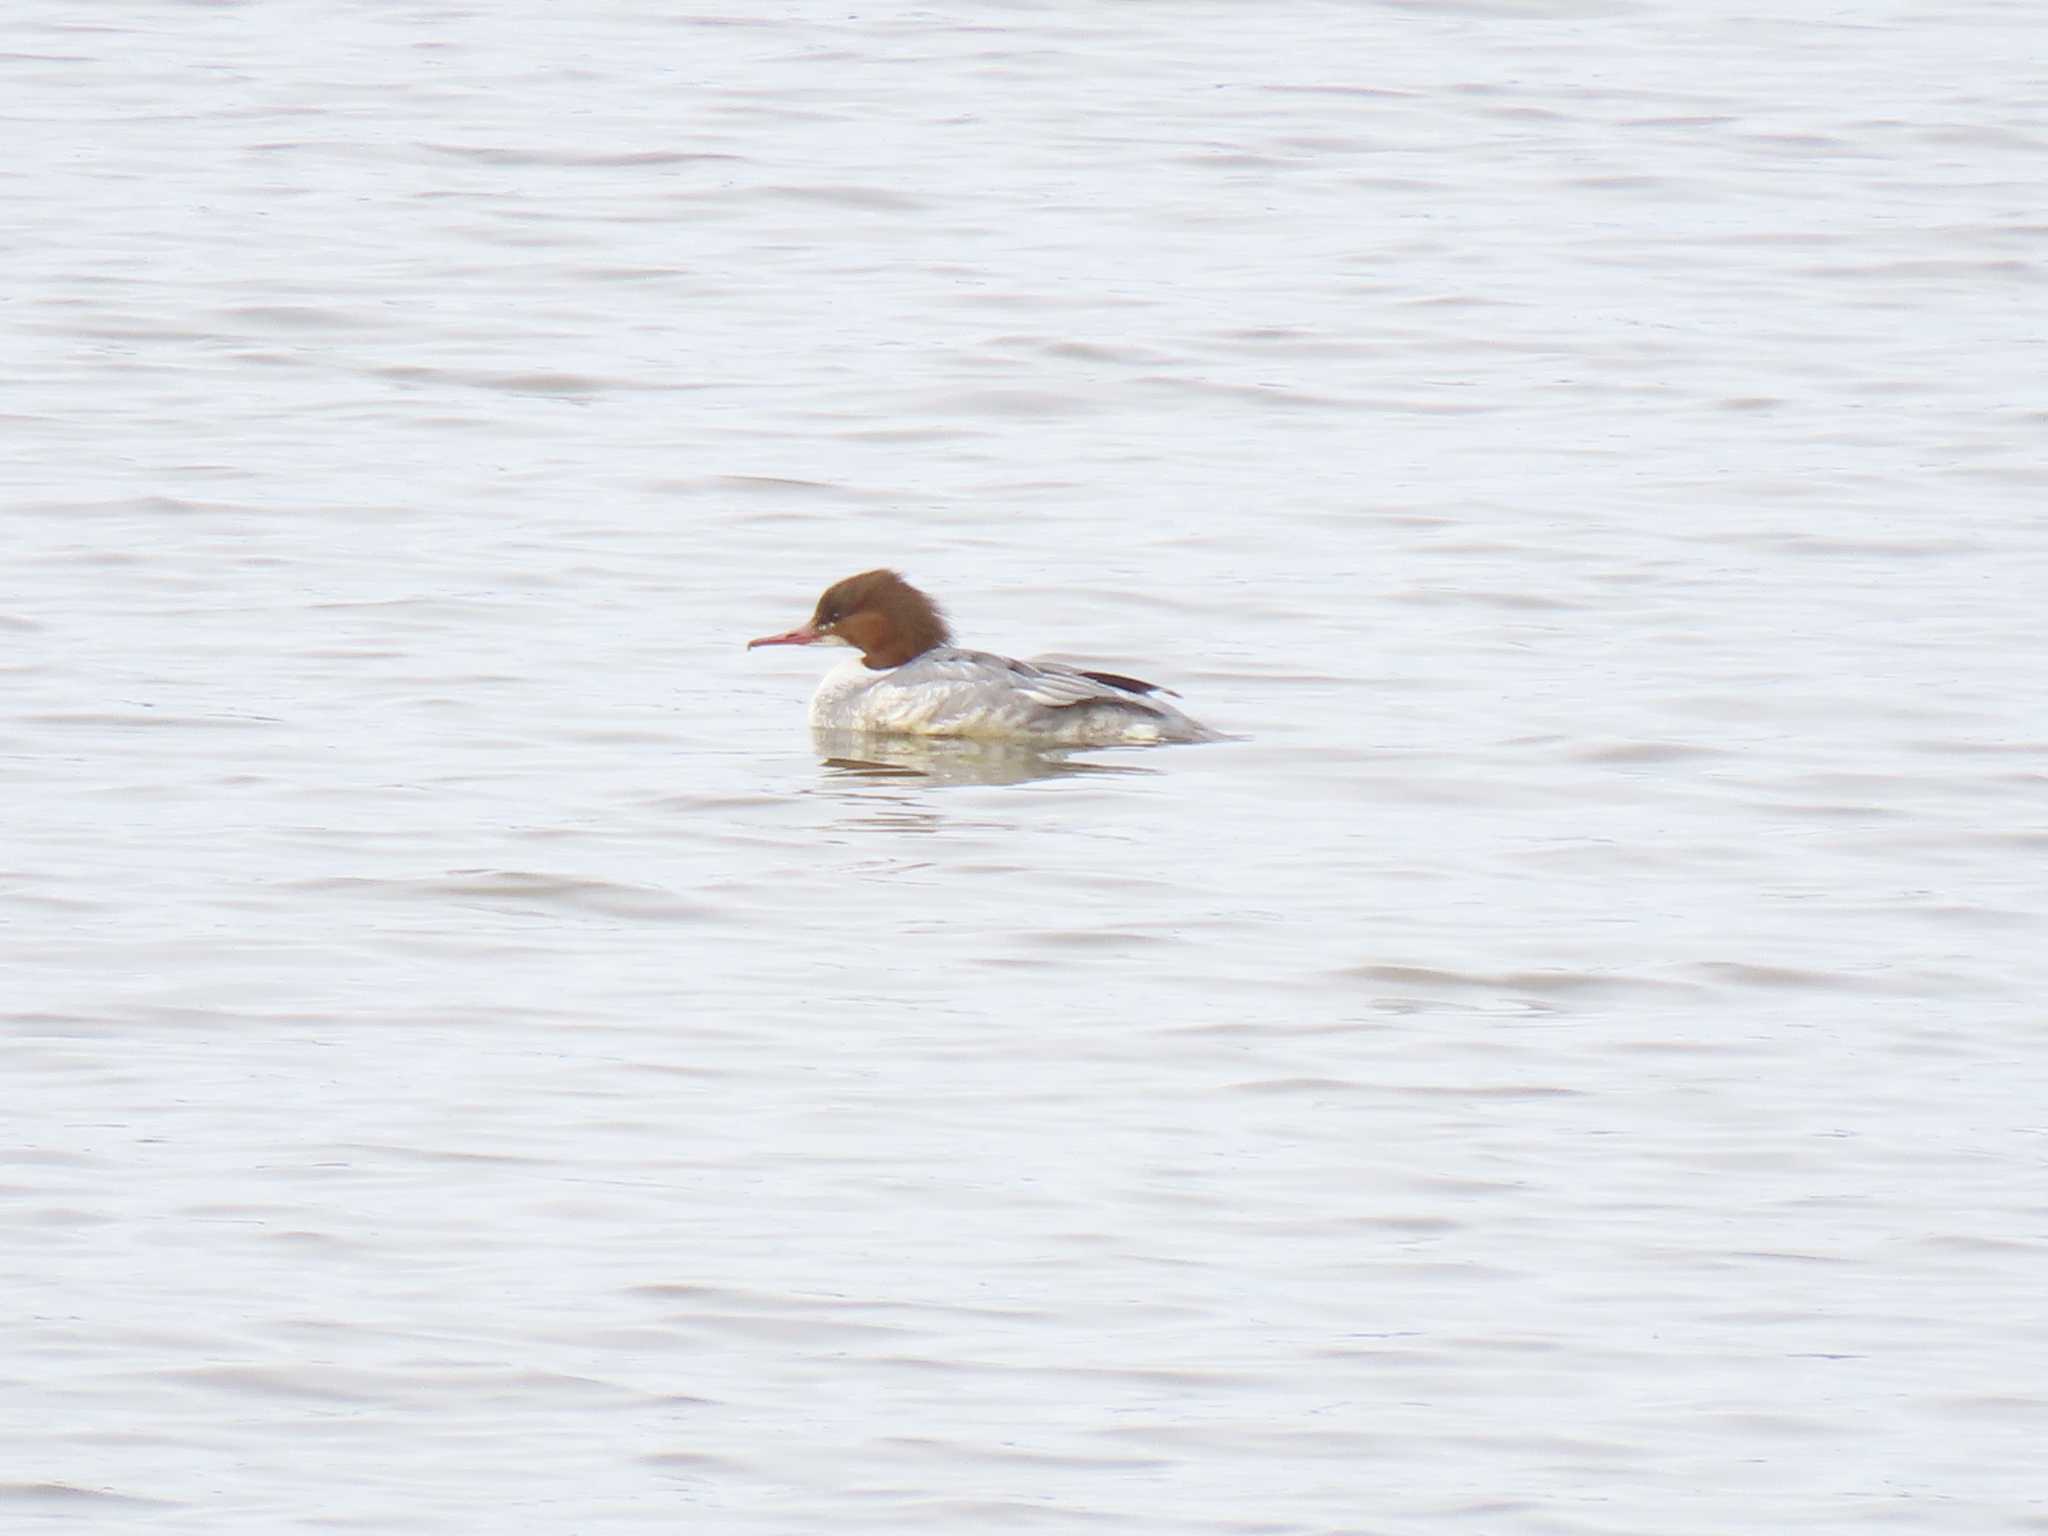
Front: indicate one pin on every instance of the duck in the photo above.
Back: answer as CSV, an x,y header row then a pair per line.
x,y
910,679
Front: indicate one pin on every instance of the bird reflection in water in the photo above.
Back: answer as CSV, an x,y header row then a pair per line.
x,y
950,759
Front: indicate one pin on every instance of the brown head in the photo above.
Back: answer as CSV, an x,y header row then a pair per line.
x,y
877,612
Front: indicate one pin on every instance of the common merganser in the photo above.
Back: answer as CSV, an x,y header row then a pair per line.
x,y
911,679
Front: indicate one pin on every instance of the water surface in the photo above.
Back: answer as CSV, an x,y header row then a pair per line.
x,y
1574,1066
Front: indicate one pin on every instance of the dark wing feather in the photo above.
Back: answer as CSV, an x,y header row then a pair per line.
x,y
1130,684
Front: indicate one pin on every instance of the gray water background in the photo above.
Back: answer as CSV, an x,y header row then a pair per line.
x,y
1575,1066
